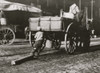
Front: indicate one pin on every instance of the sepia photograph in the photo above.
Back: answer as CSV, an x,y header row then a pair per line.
x,y
49,36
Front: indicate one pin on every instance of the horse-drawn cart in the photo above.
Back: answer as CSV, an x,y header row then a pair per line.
x,y
7,30
57,30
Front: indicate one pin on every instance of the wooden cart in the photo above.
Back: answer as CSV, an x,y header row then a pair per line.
x,y
57,30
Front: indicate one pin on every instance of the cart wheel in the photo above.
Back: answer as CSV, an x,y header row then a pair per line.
x,y
70,40
31,38
72,44
7,36
57,44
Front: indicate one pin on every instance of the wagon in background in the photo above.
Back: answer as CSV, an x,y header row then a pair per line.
x,y
13,15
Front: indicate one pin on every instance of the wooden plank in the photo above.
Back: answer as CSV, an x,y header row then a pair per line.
x,y
30,57
21,60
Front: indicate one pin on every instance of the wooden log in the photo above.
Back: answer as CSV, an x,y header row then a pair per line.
x,y
21,60
30,57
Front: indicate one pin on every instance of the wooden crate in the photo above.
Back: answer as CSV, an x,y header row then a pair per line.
x,y
56,24
33,24
45,23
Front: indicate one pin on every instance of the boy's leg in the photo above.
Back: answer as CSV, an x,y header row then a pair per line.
x,y
37,48
34,53
41,46
34,49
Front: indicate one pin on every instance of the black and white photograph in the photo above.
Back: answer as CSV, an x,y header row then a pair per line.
x,y
49,36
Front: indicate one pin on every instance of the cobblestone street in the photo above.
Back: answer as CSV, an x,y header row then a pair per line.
x,y
56,62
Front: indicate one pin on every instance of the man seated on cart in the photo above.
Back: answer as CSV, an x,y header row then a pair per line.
x,y
39,38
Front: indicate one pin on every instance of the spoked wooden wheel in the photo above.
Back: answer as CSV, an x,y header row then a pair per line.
x,y
71,44
31,38
7,36
70,40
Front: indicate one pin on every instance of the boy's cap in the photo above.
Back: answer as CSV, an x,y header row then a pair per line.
x,y
38,28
